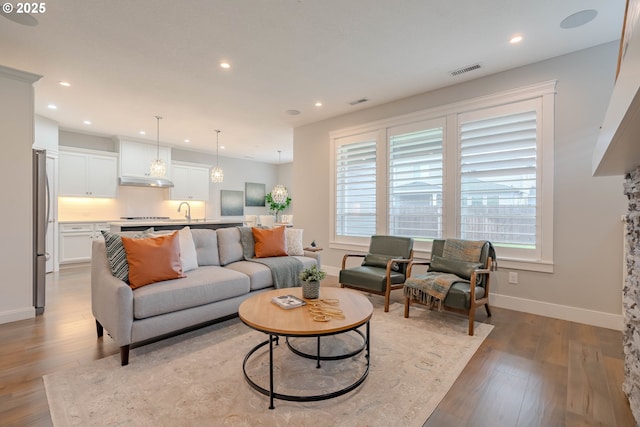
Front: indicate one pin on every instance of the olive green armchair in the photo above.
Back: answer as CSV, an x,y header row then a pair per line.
x,y
383,268
457,279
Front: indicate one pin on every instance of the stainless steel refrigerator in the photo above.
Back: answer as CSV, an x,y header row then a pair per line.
x,y
41,216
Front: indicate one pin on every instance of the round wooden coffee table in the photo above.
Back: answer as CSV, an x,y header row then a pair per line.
x,y
259,313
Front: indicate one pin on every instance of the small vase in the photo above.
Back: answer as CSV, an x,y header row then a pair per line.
x,y
311,290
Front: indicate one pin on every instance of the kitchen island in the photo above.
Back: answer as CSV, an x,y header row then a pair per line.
x,y
171,224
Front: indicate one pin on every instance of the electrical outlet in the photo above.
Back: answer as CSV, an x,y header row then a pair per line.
x,y
513,277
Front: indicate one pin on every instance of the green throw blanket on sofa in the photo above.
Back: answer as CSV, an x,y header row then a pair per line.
x,y
284,270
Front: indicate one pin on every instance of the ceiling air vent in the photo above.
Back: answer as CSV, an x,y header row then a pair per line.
x,y
464,70
358,101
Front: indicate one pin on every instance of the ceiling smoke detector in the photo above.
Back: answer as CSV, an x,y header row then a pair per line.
x,y
358,101
463,70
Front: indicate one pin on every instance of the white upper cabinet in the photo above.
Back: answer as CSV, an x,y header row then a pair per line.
x,y
136,158
87,174
190,182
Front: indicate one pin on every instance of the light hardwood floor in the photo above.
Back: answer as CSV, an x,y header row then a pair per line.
x,y
530,371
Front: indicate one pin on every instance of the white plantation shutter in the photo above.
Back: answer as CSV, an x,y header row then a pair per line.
x,y
355,188
415,183
498,175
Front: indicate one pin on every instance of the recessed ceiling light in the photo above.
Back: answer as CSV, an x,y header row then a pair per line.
x,y
515,39
225,64
52,107
318,104
87,122
142,132
578,19
65,84
187,141
222,147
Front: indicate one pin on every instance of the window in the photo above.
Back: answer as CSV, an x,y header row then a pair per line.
x,y
415,181
498,169
355,189
479,169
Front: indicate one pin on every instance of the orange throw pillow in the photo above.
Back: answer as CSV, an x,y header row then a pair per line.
x,y
269,242
153,259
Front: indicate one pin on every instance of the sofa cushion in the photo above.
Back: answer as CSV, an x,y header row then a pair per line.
x,y
203,286
206,243
188,255
229,245
259,274
153,259
293,241
366,277
269,242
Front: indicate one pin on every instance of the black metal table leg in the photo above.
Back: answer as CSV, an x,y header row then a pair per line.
x,y
318,353
271,372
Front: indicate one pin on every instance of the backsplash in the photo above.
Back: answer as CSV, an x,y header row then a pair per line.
x,y
131,202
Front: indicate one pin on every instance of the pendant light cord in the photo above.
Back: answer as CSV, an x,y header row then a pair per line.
x,y
217,146
158,137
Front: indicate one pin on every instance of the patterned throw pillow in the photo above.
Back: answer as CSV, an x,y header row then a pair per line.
x,y
116,253
117,256
293,240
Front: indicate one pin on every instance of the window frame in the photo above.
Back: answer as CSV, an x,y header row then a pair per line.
x,y
542,260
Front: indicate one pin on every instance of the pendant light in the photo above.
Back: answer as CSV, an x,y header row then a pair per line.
x,y
217,175
158,167
279,193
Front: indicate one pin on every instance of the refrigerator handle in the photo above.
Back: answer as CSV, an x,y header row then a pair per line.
x,y
47,201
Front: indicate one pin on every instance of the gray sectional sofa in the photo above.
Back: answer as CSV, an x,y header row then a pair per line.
x,y
213,291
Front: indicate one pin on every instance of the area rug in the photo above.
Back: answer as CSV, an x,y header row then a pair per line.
x,y
196,378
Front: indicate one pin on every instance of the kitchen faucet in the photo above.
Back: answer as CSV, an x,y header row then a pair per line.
x,y
187,215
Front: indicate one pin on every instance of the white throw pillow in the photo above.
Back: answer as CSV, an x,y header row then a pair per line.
x,y
188,254
293,241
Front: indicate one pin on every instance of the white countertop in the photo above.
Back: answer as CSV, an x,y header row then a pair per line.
x,y
152,222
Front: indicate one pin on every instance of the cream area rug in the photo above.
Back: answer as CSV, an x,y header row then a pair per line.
x,y
196,379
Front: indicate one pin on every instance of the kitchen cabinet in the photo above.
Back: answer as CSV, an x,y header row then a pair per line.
x,y
83,173
76,240
136,158
190,182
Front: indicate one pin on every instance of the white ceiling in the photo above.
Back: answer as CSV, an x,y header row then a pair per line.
x,y
128,61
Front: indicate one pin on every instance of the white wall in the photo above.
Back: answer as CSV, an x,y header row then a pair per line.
x,y
587,279
16,250
46,134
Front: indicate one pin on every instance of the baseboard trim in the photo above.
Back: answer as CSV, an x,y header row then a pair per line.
x,y
557,311
15,315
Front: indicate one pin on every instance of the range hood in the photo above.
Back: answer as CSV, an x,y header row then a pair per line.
x,y
136,181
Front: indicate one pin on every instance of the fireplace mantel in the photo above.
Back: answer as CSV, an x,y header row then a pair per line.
x,y
617,150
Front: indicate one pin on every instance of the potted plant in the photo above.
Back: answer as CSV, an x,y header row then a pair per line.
x,y
311,277
275,206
